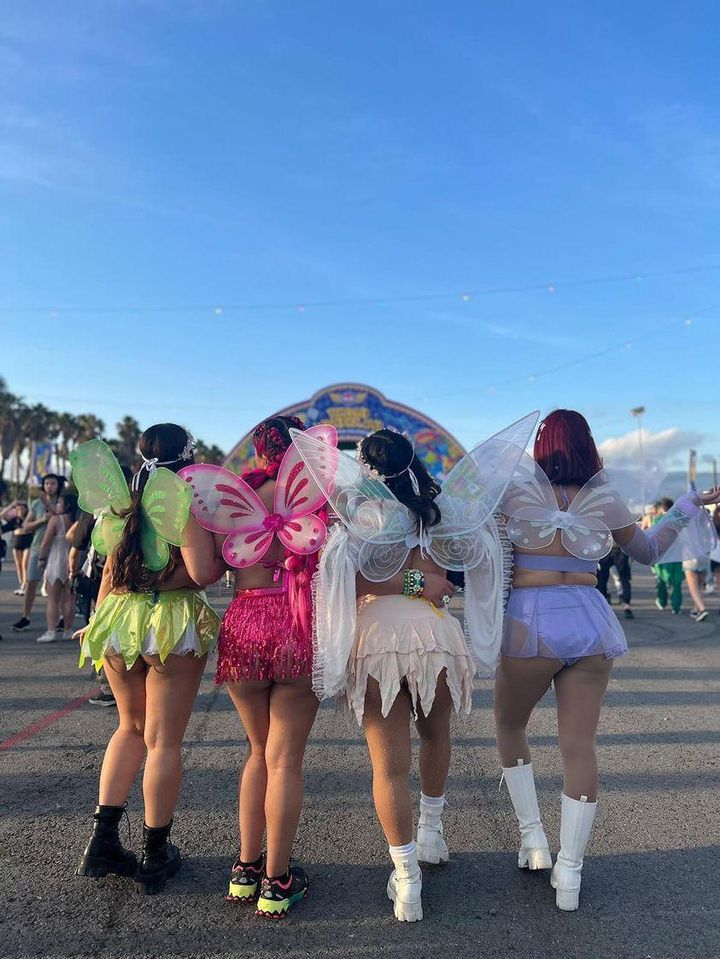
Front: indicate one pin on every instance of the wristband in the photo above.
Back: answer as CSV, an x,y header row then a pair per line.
x,y
413,582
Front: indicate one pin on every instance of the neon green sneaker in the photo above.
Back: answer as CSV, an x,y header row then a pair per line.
x,y
245,880
278,896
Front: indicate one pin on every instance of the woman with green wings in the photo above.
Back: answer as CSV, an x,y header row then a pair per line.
x,y
152,630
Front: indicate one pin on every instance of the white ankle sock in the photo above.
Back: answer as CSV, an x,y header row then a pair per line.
x,y
432,800
402,850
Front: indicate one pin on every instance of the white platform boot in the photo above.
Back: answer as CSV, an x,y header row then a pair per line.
x,y
431,846
576,824
404,886
534,850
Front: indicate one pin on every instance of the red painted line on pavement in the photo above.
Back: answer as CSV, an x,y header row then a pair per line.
x,y
46,721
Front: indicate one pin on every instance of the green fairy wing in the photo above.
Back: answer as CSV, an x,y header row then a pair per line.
x,y
102,491
107,533
99,480
165,509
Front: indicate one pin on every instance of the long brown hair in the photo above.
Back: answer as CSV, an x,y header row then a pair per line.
x,y
164,442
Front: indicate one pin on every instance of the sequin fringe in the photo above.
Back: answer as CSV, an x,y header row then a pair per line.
x,y
257,641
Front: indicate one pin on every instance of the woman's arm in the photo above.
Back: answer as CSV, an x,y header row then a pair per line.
x,y
48,538
199,554
648,546
436,586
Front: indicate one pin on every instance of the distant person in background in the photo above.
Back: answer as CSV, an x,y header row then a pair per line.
x,y
715,555
21,548
41,509
621,561
12,518
53,561
668,576
86,570
696,571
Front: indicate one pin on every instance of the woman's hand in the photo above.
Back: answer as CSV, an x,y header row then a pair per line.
x,y
436,587
79,634
711,497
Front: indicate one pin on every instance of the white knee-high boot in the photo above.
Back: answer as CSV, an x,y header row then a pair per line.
x,y
431,846
534,850
404,886
576,824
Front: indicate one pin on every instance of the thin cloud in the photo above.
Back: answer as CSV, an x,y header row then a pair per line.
x,y
669,447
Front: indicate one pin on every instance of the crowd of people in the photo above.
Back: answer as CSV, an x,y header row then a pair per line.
x,y
342,587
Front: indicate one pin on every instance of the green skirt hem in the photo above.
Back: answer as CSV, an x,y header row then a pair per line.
x,y
135,624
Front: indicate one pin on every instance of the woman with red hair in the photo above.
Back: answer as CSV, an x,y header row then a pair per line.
x,y
265,659
563,516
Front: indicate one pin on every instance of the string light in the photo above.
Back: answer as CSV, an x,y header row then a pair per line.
x,y
374,300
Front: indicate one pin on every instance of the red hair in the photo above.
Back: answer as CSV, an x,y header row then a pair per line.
x,y
565,449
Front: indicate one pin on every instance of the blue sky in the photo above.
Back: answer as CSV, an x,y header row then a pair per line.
x,y
162,159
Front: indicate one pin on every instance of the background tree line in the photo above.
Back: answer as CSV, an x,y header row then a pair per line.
x,y
21,425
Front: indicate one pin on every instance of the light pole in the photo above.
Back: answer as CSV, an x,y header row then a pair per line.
x,y
638,412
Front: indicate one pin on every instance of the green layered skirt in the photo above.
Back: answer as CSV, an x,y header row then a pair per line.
x,y
178,621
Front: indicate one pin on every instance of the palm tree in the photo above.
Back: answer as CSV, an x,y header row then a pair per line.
x,y
129,432
87,427
67,426
39,426
209,454
8,416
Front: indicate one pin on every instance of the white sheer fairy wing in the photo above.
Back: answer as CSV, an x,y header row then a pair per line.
x,y
486,587
530,505
334,613
697,541
471,493
596,509
375,518
475,485
637,485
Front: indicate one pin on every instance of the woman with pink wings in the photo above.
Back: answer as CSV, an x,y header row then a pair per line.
x,y
269,526
564,513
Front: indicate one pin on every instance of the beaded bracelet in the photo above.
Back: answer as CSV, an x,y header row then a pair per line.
x,y
413,582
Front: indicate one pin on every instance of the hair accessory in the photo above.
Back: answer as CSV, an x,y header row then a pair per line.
x,y
150,465
375,474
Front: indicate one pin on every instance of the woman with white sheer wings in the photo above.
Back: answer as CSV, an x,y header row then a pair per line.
x,y
384,638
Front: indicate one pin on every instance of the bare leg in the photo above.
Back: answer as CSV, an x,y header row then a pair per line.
x,y
252,702
171,691
18,556
435,748
30,591
520,684
54,592
293,707
388,740
693,582
68,606
580,690
126,750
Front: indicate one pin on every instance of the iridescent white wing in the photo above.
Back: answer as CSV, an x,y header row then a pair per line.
x,y
596,510
371,513
530,506
637,485
471,494
534,517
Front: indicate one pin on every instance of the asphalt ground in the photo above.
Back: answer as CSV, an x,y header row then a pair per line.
x,y
651,885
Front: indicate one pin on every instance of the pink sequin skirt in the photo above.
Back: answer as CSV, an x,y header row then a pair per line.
x,y
257,641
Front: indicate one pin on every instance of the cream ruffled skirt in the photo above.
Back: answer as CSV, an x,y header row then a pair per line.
x,y
403,640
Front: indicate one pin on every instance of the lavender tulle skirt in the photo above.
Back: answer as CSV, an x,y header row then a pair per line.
x,y
561,622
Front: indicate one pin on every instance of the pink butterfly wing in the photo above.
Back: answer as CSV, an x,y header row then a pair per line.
x,y
296,492
246,549
223,502
303,534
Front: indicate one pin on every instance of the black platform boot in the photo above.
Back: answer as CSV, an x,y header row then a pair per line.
x,y
105,853
160,860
